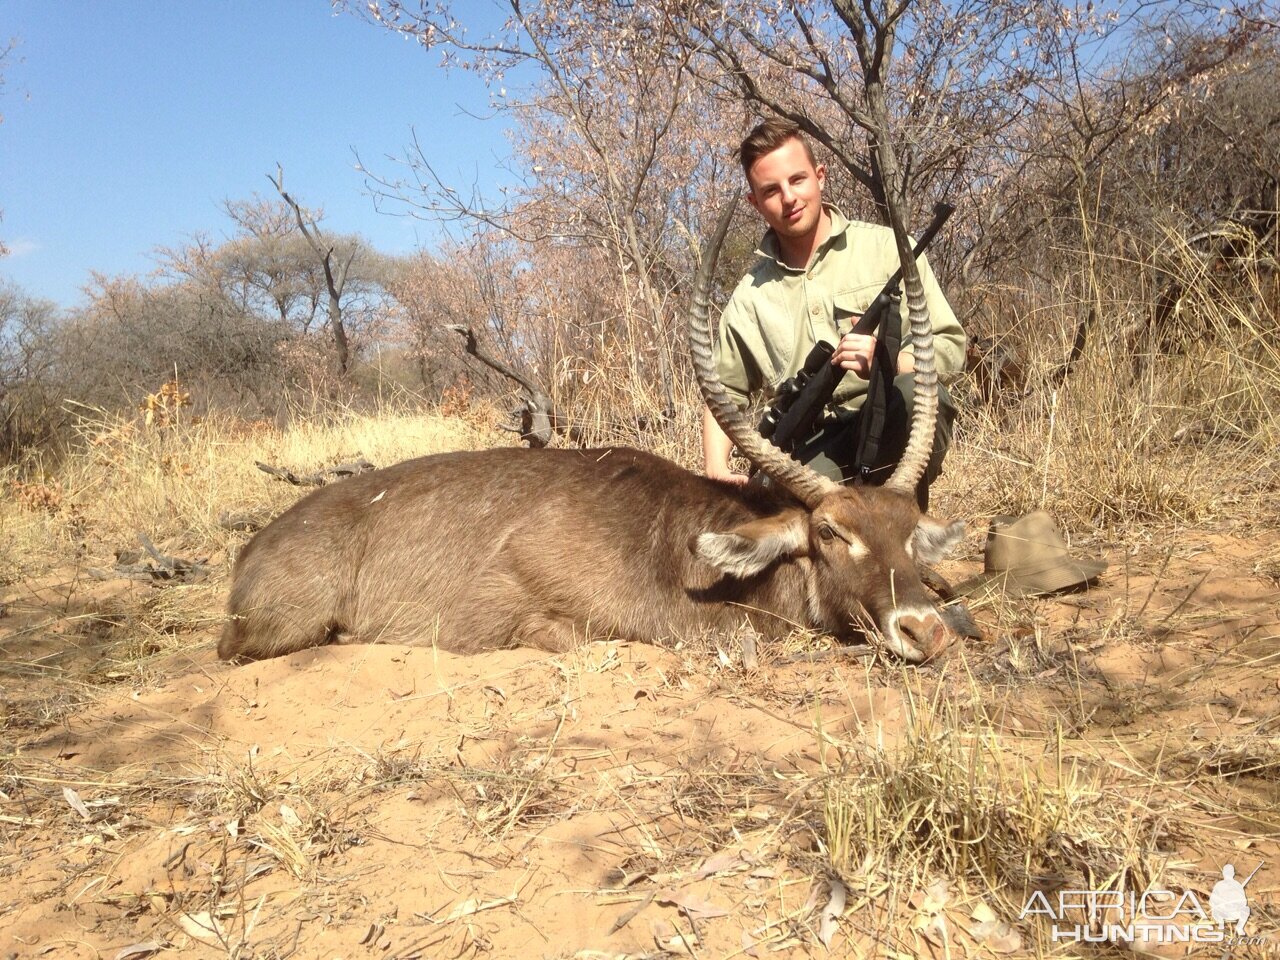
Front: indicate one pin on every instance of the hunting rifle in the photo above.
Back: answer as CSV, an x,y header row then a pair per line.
x,y
800,400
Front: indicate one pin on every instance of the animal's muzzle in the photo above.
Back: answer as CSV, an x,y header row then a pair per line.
x,y
917,635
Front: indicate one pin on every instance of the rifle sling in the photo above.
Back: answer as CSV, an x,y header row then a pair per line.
x,y
871,421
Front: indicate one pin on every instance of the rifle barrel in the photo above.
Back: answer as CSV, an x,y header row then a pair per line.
x,y
941,213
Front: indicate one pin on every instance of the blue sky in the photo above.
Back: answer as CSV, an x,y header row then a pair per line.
x,y
127,123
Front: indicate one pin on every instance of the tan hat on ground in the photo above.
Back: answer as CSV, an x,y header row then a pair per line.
x,y
1027,557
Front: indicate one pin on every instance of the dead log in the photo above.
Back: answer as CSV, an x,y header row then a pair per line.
x,y
320,477
244,521
536,419
163,569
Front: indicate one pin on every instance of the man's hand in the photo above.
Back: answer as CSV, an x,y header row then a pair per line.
x,y
854,352
716,447
725,475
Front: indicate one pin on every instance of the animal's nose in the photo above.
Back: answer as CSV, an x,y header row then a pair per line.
x,y
925,632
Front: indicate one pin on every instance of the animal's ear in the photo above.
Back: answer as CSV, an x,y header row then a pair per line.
x,y
750,547
933,540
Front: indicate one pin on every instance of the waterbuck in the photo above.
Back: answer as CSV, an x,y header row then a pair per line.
x,y
548,548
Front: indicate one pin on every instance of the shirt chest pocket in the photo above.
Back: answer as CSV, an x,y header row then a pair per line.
x,y
851,305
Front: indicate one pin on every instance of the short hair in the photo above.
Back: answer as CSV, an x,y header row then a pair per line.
x,y
767,136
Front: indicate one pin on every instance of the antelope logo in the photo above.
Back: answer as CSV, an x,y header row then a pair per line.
x,y
549,548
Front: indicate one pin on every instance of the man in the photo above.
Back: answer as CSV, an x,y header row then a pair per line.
x,y
816,274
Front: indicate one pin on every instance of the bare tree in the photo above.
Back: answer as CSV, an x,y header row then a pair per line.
x,y
335,274
31,411
269,268
605,141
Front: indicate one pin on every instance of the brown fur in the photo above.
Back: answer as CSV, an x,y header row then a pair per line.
x,y
548,548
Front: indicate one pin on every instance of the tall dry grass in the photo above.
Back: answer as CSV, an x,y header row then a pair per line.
x,y
175,480
1154,426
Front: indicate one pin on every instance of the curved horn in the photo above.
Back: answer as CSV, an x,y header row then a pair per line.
x,y
806,484
924,416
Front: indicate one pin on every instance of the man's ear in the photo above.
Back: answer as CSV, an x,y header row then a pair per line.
x,y
933,540
751,199
750,547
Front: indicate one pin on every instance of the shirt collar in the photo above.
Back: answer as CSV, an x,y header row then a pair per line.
x,y
769,244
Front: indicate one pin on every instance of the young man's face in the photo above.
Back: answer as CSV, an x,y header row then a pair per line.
x,y
786,188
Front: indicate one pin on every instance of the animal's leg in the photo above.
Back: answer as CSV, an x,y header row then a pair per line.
x,y
547,632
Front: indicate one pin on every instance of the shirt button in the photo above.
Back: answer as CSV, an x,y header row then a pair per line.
x,y
815,310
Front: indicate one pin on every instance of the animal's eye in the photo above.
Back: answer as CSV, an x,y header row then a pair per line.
x,y
826,533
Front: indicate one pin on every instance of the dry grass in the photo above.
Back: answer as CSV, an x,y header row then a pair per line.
x,y
953,794
947,794
1153,427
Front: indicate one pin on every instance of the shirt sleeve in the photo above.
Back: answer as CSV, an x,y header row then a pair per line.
x,y
733,360
948,336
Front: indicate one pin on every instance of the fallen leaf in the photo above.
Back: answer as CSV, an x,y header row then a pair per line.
x,y
258,870
935,930
812,901
202,926
139,950
932,898
76,803
719,863
982,913
832,912
980,931
289,816
687,901
1005,940
671,940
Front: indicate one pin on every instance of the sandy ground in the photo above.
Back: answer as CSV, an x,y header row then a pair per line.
x,y
622,800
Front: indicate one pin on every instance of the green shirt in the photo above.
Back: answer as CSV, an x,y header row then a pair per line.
x,y
777,313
